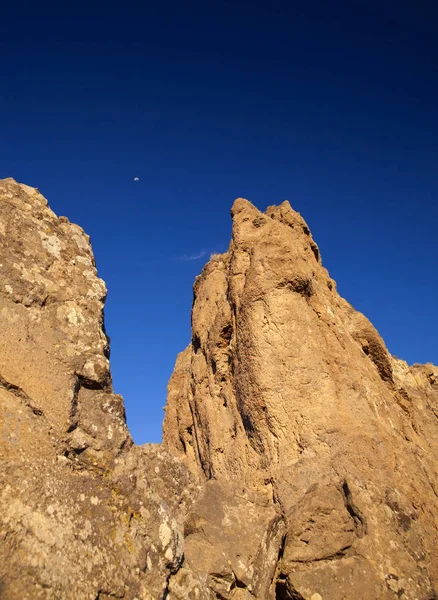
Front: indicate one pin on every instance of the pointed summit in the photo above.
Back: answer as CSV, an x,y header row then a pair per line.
x,y
289,392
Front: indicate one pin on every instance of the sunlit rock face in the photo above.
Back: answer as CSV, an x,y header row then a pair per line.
x,y
298,457
80,515
288,392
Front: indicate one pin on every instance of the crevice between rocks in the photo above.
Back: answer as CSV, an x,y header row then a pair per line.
x,y
278,577
354,512
21,394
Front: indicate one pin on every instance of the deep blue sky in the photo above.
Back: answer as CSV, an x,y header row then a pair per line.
x,y
332,105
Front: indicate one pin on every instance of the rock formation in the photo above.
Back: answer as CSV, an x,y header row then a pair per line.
x,y
81,516
298,456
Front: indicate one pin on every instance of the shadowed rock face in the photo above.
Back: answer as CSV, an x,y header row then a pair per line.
x,y
298,456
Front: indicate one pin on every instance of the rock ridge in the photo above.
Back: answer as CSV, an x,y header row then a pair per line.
x,y
298,457
288,391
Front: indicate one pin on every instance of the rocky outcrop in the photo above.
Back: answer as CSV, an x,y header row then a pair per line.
x,y
290,393
298,456
82,512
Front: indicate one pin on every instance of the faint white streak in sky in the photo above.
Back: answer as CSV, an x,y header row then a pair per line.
x,y
136,179
193,256
166,259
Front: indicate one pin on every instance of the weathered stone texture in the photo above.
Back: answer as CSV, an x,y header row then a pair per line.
x,y
298,458
82,513
289,392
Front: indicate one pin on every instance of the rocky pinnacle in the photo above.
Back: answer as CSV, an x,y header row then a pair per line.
x,y
298,458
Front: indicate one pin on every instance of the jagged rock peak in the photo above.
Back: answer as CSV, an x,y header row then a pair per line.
x,y
311,452
287,391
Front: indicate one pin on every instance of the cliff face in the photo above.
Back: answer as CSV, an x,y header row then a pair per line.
x,y
289,392
298,456
80,516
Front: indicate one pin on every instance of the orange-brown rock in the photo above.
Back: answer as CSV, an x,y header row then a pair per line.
x,y
82,513
298,459
287,391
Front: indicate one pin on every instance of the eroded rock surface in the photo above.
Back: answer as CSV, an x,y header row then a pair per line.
x,y
287,391
298,458
83,513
